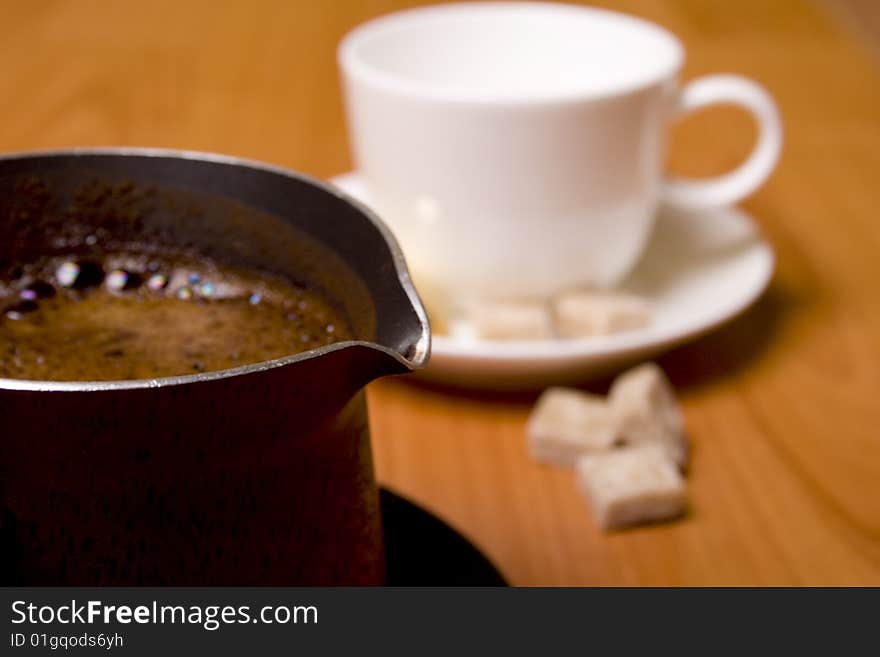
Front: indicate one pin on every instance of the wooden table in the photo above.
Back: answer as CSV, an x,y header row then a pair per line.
x,y
783,405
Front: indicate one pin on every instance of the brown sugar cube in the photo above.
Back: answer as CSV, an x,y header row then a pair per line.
x,y
645,411
512,321
566,423
581,314
631,485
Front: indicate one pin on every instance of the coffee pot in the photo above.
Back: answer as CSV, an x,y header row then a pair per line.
x,y
257,475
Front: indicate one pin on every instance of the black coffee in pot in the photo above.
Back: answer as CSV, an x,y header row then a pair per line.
x,y
139,316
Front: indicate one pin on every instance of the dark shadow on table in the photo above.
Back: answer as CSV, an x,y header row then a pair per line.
x,y
733,347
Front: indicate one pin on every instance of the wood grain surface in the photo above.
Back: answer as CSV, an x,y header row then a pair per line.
x,y
783,404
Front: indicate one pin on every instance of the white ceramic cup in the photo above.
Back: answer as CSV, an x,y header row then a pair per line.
x,y
516,149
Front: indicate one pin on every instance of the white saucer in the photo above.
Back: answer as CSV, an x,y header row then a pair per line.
x,y
699,271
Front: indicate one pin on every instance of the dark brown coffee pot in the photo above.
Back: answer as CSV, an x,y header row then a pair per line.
x,y
258,475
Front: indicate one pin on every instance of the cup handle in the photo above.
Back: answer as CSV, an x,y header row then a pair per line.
x,y
745,179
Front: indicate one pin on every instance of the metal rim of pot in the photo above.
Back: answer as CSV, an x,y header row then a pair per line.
x,y
420,351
